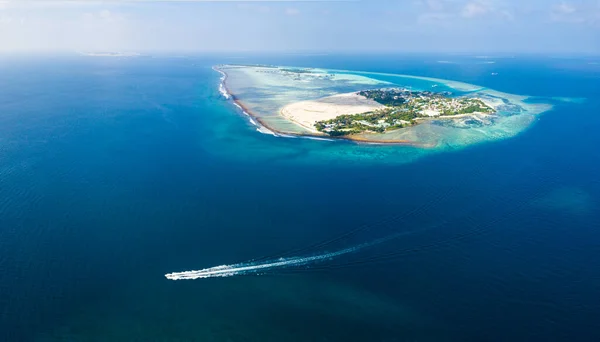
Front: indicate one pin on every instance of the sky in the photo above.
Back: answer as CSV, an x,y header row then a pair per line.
x,y
453,26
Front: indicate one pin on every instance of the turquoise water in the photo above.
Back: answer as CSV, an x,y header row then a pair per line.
x,y
114,172
265,92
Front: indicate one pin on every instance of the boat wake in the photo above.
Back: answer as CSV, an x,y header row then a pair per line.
x,y
268,265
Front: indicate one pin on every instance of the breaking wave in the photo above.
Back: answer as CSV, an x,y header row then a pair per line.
x,y
222,88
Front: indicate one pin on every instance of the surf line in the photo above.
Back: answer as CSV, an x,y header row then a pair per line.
x,y
256,267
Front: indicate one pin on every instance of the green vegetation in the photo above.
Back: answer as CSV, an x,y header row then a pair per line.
x,y
385,97
403,109
377,122
298,71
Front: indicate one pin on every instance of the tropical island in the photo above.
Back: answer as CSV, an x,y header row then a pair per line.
x,y
109,54
373,108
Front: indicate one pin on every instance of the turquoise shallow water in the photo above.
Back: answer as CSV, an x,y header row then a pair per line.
x,y
114,172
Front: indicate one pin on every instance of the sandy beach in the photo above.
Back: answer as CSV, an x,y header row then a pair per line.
x,y
307,113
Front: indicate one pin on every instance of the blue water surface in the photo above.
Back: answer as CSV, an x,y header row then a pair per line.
x,y
115,171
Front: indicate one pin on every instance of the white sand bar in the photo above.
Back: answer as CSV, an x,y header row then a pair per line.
x,y
307,113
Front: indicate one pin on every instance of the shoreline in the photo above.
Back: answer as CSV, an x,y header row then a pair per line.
x,y
224,90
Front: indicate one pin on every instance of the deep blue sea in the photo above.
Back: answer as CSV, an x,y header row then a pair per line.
x,y
115,171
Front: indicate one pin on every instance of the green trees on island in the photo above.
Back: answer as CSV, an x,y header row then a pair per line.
x,y
377,122
387,97
403,108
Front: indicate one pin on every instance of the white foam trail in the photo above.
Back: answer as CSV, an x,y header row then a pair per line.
x,y
255,267
315,138
244,268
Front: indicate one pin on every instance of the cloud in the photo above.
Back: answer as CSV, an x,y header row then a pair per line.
x,y
434,18
475,9
583,14
434,12
452,11
421,25
292,11
566,13
492,9
105,16
79,3
507,15
5,20
255,8
435,5
564,8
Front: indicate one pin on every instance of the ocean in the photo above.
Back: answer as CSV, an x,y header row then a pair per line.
x,y
116,171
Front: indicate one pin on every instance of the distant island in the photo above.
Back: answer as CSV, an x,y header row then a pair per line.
x,y
373,108
109,54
